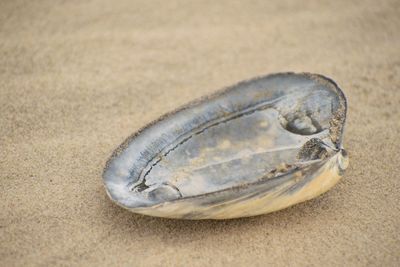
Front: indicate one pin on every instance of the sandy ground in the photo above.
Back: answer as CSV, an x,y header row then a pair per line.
x,y
77,77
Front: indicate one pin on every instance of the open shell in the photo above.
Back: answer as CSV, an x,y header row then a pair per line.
x,y
253,148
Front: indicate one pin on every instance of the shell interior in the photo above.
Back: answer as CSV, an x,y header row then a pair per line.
x,y
258,129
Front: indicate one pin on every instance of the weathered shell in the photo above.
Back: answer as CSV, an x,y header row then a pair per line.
x,y
253,148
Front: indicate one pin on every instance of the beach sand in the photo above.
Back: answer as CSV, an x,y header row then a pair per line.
x,y
78,77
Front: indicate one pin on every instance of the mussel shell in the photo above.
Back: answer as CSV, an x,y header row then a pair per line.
x,y
252,148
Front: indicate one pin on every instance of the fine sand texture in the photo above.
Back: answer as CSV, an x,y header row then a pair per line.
x,y
78,77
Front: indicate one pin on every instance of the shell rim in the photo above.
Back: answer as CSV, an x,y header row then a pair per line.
x,y
340,115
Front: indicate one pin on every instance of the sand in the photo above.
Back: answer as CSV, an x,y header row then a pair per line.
x,y
78,77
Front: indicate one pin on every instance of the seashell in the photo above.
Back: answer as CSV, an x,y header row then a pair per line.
x,y
253,148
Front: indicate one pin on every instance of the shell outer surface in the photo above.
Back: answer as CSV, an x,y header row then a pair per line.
x,y
253,148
